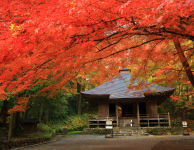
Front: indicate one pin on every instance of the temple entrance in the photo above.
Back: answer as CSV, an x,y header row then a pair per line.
x,y
127,110
142,108
112,110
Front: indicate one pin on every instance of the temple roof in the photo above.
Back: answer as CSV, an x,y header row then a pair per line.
x,y
117,88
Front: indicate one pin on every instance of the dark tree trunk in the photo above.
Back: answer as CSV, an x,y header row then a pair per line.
x,y
40,113
11,126
184,61
184,114
46,116
17,121
3,114
79,99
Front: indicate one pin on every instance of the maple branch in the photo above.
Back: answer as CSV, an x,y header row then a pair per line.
x,y
111,44
101,21
132,47
151,28
184,50
184,61
180,34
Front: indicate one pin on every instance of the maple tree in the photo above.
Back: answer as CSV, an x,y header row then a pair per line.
x,y
63,39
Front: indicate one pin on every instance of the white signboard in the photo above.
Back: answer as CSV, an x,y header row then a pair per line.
x,y
108,127
184,123
109,124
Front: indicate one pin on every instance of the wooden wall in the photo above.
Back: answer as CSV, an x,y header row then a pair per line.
x,y
135,109
103,109
152,108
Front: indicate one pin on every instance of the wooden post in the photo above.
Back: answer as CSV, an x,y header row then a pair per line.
x,y
158,120
117,115
169,123
138,118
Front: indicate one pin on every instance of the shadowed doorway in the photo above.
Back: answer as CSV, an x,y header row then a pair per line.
x,y
142,108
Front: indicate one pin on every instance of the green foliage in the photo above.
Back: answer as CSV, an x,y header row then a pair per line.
x,y
96,131
44,131
176,109
43,135
77,122
165,131
191,124
176,123
57,108
59,127
44,128
47,131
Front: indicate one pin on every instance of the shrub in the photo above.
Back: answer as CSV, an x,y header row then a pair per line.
x,y
176,123
96,131
45,128
78,122
165,131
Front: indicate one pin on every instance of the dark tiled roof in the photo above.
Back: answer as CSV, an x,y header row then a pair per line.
x,y
117,88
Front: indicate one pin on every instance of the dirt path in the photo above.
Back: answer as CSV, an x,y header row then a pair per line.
x,y
88,142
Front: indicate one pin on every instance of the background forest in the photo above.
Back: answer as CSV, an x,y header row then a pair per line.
x,y
67,110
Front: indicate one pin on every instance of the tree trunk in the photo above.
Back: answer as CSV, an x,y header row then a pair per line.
x,y
79,99
184,114
17,123
184,61
11,126
46,115
40,113
4,110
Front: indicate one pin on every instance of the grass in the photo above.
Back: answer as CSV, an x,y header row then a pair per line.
x,y
42,135
74,132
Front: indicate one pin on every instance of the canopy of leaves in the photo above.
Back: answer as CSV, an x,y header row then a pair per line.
x,y
62,40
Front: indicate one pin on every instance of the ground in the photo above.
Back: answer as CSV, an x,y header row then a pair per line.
x,y
89,142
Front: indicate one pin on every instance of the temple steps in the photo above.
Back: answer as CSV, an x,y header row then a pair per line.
x,y
134,131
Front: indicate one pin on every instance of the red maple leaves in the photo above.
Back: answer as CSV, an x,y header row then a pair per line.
x,y
54,39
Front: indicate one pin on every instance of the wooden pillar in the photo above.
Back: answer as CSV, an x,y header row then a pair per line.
x,y
169,123
158,120
117,115
138,118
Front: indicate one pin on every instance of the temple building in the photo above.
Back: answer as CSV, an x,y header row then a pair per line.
x,y
128,107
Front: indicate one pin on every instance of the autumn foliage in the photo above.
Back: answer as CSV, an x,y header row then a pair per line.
x,y
64,39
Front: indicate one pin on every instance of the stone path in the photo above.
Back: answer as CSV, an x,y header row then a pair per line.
x,y
89,142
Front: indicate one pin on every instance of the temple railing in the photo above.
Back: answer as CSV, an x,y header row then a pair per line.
x,y
158,120
101,122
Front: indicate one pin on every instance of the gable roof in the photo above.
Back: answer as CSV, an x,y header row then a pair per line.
x,y
117,88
